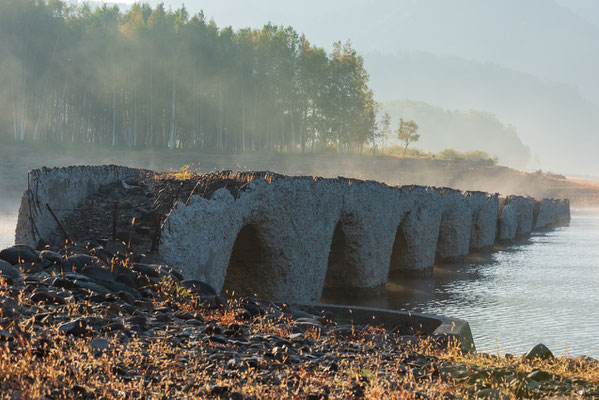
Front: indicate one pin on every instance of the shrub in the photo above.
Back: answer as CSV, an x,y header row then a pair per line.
x,y
450,154
411,152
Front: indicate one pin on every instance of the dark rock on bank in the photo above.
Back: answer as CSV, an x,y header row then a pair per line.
x,y
539,351
198,287
19,254
8,270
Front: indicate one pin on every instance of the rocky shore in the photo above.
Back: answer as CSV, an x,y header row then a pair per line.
x,y
88,322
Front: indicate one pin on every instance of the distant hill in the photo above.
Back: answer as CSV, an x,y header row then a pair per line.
x,y
460,130
553,119
532,63
586,9
548,38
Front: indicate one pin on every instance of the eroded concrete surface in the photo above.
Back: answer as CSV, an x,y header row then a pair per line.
x,y
280,237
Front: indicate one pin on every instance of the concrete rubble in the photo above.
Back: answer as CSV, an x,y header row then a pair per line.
x,y
275,236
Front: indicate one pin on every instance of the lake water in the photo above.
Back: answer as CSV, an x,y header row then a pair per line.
x,y
543,290
8,222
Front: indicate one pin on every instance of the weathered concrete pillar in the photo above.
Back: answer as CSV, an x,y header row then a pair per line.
x,y
525,211
418,232
516,218
198,237
507,223
364,236
61,189
564,212
484,220
272,241
455,226
296,218
551,213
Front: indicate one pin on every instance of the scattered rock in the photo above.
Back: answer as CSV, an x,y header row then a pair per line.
x,y
198,287
126,296
94,287
490,394
7,280
80,261
539,376
148,269
6,336
74,276
97,273
7,269
47,297
539,351
99,344
51,256
19,254
77,327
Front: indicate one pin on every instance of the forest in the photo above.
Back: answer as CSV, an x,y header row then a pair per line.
x,y
152,77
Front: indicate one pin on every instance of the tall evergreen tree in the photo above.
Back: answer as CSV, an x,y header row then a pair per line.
x,y
152,77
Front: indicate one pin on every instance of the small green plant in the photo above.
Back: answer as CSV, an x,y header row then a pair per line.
x,y
183,173
170,287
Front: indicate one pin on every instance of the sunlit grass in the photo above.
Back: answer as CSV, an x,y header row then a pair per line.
x,y
371,363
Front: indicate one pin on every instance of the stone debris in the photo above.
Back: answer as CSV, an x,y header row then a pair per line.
x,y
50,312
70,335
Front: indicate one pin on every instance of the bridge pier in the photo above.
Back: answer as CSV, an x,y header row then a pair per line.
x,y
515,217
550,213
361,247
454,232
484,220
416,238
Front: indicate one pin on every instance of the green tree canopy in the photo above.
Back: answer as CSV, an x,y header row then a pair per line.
x,y
155,77
407,133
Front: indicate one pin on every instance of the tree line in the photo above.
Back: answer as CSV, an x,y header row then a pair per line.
x,y
151,77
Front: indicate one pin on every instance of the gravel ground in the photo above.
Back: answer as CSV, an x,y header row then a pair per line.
x,y
89,323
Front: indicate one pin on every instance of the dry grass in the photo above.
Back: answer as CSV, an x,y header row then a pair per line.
x,y
373,364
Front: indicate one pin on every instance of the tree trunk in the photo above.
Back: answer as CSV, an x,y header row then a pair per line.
x,y
150,140
171,141
134,115
242,118
113,105
292,134
313,125
282,132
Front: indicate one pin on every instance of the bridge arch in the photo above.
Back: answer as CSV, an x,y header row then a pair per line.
x,y
249,271
399,252
342,270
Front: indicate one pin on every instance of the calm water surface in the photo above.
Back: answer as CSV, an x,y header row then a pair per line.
x,y
543,290
8,222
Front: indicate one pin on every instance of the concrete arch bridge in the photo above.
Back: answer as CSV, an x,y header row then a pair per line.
x,y
290,238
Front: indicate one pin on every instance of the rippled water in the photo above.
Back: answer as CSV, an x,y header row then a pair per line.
x,y
8,222
543,290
